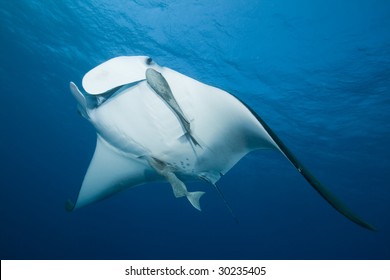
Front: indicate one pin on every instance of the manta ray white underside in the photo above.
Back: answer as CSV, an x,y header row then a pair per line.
x,y
140,139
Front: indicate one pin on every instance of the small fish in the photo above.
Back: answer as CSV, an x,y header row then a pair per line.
x,y
178,187
160,86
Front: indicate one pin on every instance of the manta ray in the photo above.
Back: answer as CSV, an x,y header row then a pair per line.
x,y
155,124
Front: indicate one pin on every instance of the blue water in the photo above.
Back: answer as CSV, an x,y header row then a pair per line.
x,y
318,72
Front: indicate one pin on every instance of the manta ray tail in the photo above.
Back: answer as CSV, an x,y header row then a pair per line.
x,y
226,203
194,197
221,195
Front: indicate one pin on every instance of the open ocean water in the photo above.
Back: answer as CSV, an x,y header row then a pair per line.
x,y
318,72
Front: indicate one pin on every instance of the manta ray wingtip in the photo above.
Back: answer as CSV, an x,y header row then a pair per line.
x,y
367,226
69,205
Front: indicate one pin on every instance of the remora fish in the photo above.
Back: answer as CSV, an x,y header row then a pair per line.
x,y
160,86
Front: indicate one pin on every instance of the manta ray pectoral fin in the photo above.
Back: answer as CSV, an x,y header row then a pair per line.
x,y
108,173
319,187
331,198
69,205
313,181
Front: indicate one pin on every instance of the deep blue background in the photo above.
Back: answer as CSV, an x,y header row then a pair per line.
x,y
317,71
